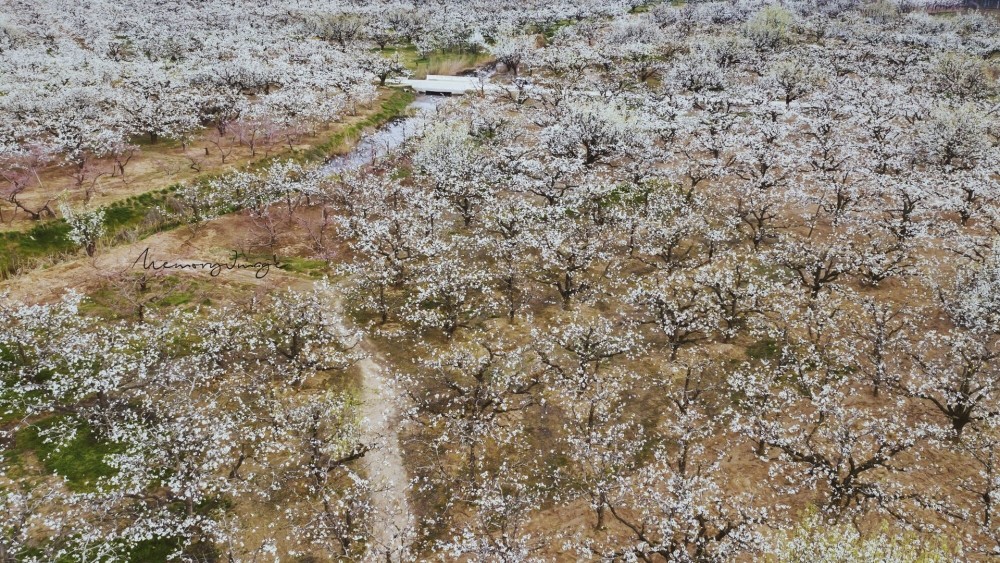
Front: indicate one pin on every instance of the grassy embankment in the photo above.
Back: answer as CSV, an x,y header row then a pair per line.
x,y
134,217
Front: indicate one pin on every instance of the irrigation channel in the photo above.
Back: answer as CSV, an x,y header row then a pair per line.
x,y
391,135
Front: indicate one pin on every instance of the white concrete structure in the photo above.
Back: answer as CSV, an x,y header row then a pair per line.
x,y
447,85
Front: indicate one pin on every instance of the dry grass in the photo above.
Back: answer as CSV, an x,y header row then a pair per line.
x,y
439,62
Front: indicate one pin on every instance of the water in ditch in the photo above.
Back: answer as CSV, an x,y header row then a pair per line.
x,y
380,142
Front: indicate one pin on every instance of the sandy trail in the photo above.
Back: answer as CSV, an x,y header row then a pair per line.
x,y
382,405
380,409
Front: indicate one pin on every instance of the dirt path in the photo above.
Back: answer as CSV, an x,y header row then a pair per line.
x,y
380,408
